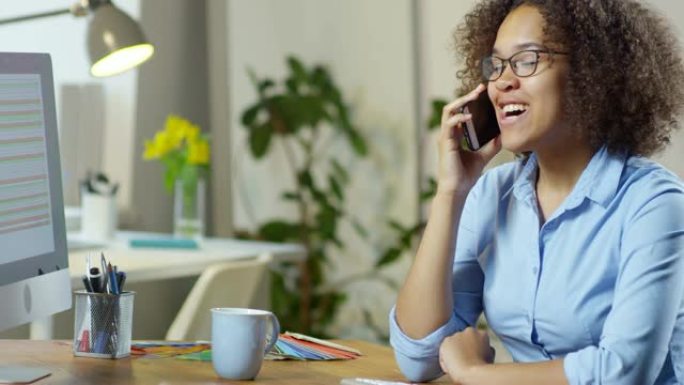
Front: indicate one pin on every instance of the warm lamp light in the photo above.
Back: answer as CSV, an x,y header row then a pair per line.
x,y
116,42
122,60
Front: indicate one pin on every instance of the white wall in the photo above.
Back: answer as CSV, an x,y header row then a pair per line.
x,y
63,37
673,156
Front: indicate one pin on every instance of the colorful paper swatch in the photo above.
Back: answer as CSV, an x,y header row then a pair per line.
x,y
160,349
290,346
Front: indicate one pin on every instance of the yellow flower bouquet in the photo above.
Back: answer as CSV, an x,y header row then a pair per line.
x,y
185,152
182,148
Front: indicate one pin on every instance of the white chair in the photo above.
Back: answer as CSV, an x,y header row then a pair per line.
x,y
231,284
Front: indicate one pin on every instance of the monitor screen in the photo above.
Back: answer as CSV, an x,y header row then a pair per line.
x,y
34,277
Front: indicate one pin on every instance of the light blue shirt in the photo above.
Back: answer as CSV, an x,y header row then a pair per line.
x,y
600,283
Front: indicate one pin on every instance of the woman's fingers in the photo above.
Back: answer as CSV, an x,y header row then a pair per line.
x,y
455,106
451,127
489,150
452,115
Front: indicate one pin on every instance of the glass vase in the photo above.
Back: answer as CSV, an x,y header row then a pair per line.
x,y
188,208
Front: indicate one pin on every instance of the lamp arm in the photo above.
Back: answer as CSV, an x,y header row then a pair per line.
x,y
78,9
35,16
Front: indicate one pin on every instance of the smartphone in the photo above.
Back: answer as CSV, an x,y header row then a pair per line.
x,y
483,126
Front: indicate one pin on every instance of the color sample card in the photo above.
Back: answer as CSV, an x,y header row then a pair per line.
x,y
290,346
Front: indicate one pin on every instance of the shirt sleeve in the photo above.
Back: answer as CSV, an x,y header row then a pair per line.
x,y
418,359
648,296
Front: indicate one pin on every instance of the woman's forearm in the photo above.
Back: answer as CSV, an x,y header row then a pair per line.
x,y
534,373
425,300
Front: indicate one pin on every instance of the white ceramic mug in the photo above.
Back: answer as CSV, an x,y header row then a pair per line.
x,y
239,341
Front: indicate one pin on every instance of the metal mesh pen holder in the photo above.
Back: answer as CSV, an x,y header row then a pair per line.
x,y
102,324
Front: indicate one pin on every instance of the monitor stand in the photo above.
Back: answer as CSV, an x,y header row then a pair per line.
x,y
21,375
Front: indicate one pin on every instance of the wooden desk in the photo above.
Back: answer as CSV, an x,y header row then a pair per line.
x,y
377,362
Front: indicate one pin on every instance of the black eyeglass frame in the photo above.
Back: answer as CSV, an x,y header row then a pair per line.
x,y
506,62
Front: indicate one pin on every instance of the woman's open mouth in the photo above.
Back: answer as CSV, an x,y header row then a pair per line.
x,y
512,113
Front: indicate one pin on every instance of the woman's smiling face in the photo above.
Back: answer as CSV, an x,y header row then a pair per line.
x,y
529,109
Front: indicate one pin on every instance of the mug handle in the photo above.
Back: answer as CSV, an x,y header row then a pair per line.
x,y
275,331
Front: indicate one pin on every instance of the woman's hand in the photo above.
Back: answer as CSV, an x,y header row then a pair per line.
x,y
459,168
463,351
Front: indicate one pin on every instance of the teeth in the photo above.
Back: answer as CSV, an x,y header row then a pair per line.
x,y
514,107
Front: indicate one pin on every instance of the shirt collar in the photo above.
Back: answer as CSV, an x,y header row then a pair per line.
x,y
598,182
524,186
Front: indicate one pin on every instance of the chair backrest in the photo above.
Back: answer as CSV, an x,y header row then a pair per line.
x,y
230,284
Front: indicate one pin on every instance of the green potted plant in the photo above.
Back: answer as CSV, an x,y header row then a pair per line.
x,y
298,112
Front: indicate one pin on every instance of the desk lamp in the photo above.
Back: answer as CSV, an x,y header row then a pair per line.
x,y
115,41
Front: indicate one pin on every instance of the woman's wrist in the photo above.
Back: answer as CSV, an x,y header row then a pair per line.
x,y
453,193
472,374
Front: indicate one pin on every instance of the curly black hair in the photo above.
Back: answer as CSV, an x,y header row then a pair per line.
x,y
626,83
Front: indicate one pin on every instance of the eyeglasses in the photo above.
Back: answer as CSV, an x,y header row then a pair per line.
x,y
523,64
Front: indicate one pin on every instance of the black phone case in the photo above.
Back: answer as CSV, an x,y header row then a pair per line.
x,y
483,126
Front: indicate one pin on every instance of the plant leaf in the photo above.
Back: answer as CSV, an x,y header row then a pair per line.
x,y
292,86
340,171
291,196
327,222
264,85
306,180
388,257
360,229
396,225
250,115
435,119
297,69
335,187
430,191
259,139
280,231
357,142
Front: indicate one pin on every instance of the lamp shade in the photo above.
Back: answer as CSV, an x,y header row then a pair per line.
x,y
115,42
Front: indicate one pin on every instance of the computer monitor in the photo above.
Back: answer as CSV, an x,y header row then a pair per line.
x,y
34,275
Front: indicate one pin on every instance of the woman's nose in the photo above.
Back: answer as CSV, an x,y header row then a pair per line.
x,y
507,81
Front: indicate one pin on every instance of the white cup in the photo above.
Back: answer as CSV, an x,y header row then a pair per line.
x,y
98,216
239,341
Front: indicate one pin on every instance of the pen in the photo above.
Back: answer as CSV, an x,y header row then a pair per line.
x,y
86,278
105,285
122,278
113,284
86,283
95,279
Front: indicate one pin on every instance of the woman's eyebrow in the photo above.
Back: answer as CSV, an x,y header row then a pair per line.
x,y
520,47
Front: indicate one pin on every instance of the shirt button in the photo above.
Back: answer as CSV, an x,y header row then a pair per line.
x,y
534,270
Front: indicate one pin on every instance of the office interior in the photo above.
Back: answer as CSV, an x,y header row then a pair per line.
x,y
389,58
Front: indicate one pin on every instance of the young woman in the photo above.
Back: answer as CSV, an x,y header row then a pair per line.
x,y
574,252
